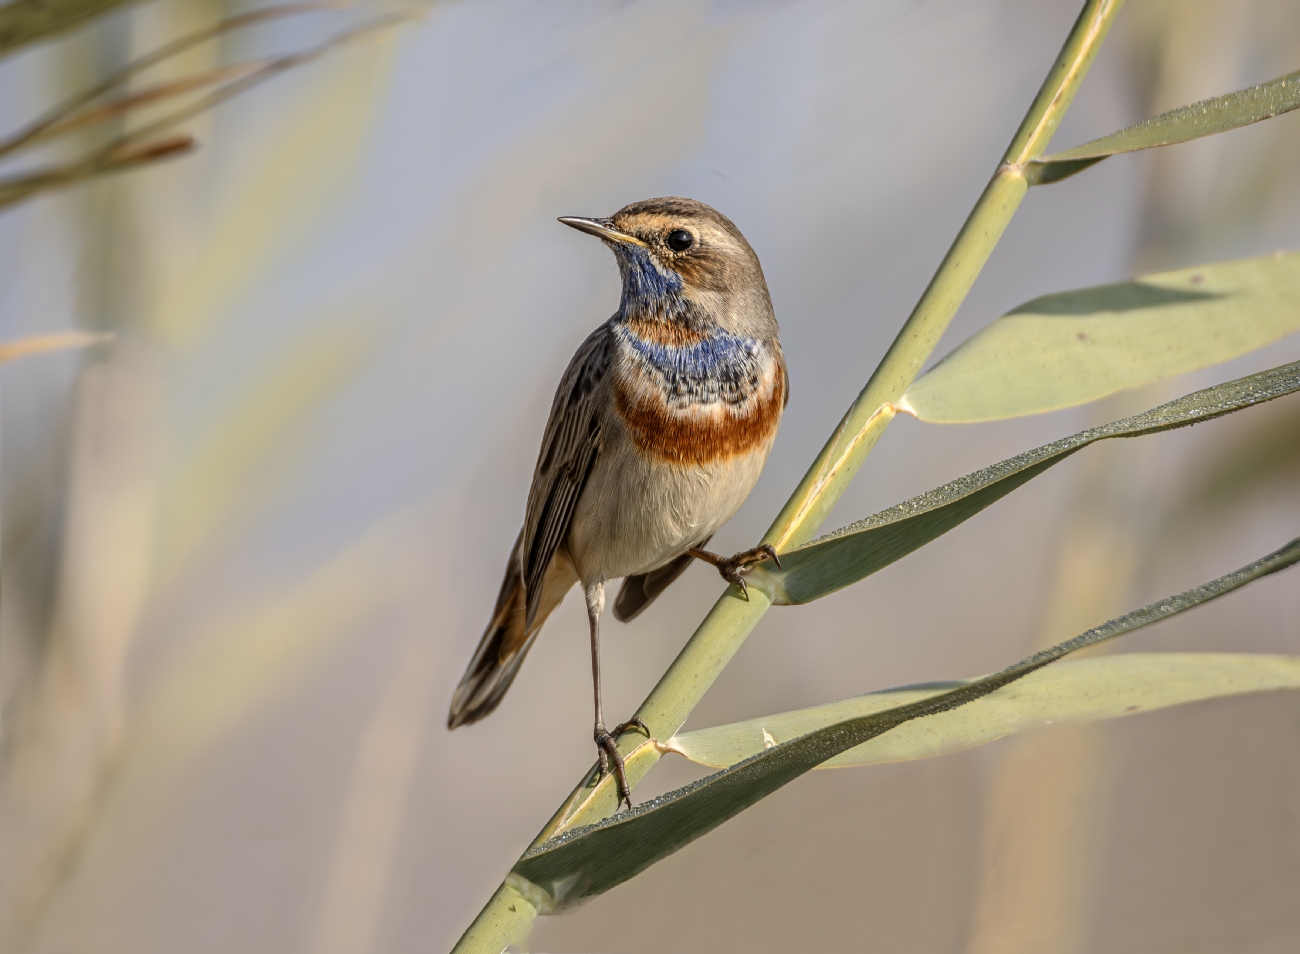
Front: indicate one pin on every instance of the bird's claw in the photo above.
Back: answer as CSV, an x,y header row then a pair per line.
x,y
734,568
607,753
632,723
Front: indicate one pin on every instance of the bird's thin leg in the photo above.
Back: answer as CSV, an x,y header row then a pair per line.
x,y
734,568
607,742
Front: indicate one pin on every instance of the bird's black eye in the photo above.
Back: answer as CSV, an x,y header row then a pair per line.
x,y
679,240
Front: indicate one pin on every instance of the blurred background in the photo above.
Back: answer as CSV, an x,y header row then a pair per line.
x,y
249,547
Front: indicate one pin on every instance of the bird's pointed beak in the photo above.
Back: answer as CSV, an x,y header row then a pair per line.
x,y
601,228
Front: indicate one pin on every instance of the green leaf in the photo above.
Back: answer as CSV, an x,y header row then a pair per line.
x,y
26,21
842,558
1075,691
1205,118
1077,346
587,861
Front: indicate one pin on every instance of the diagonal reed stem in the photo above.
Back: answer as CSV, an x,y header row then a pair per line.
x,y
510,912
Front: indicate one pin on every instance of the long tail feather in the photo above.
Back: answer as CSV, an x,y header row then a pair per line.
x,y
506,640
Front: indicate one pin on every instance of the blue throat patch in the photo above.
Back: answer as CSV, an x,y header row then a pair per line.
x,y
647,290
718,367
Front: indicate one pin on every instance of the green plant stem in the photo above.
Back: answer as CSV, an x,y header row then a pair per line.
x,y
509,914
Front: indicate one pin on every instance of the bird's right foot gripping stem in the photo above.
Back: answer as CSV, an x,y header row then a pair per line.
x,y
734,568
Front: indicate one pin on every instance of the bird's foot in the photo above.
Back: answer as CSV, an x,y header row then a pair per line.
x,y
608,753
734,568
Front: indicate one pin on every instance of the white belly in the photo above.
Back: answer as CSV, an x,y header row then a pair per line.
x,y
638,513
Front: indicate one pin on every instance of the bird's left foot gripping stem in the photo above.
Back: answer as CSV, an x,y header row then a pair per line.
x,y
734,568
607,750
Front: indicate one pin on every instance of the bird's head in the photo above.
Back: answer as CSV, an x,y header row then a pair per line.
x,y
683,261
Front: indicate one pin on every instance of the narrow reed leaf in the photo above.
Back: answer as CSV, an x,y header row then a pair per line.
x,y
152,95
55,341
1205,118
26,21
71,112
128,155
842,558
1075,691
588,861
1077,346
154,140
266,70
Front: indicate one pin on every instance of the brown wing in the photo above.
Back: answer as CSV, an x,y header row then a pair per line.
x,y
641,590
569,450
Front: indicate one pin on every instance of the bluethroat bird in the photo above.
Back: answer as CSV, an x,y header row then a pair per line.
x,y
658,431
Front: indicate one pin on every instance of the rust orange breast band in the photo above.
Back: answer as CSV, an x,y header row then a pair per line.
x,y
702,433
